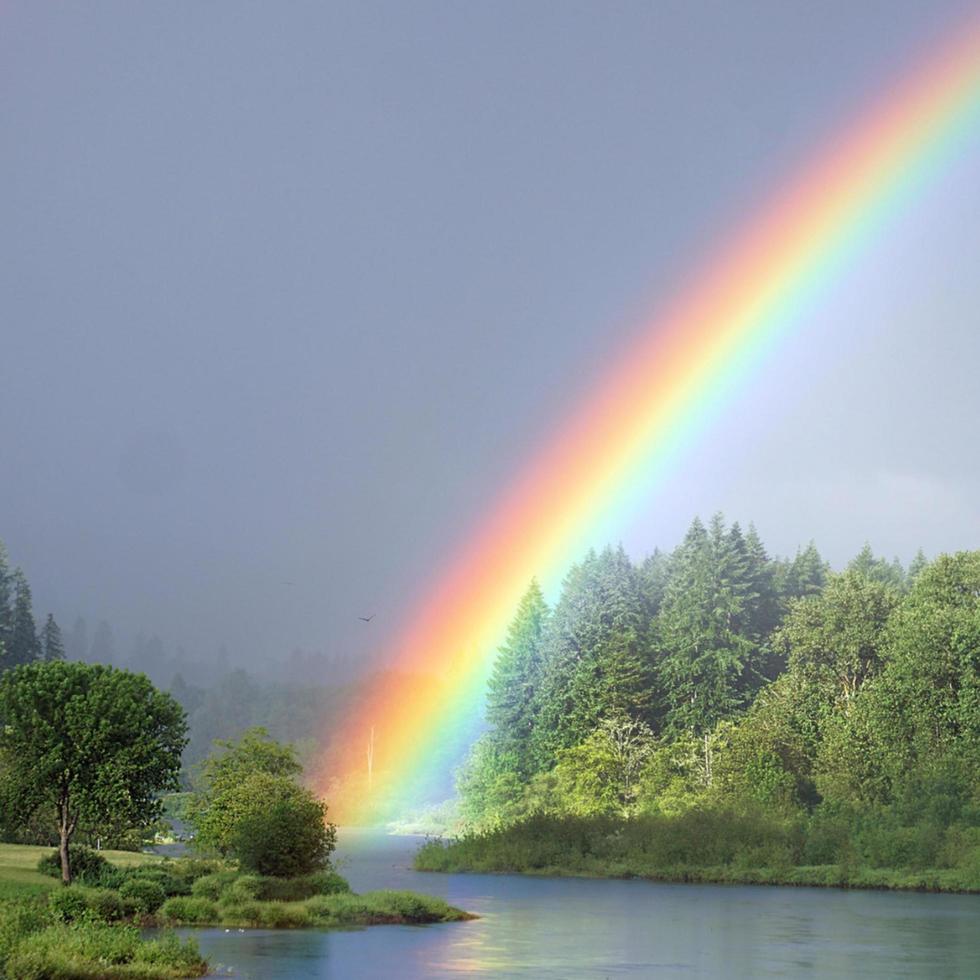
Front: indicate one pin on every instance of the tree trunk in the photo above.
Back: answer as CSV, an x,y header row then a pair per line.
x,y
66,826
63,851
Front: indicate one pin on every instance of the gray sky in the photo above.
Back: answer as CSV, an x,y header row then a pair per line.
x,y
288,291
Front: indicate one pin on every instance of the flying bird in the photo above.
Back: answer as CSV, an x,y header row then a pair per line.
x,y
366,619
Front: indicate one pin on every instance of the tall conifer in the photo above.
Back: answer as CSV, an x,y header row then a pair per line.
x,y
515,679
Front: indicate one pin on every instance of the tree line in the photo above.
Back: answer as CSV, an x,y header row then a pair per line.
x,y
716,676
21,642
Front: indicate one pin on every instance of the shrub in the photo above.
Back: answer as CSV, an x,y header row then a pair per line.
x,y
68,904
195,911
163,875
87,866
300,888
245,888
143,895
106,905
208,886
282,915
285,839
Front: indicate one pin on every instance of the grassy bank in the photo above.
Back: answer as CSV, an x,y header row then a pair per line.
x,y
92,928
696,848
19,875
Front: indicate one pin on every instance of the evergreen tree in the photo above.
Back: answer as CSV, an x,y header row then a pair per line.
x,y
767,612
654,575
805,575
23,645
877,569
515,679
6,604
595,655
52,646
706,633
916,567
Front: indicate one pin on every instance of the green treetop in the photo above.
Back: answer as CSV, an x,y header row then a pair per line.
x,y
23,645
516,675
87,745
52,645
596,659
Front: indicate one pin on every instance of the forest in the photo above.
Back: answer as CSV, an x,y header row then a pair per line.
x,y
717,708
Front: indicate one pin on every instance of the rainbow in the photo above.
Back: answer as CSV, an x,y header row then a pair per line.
x,y
648,407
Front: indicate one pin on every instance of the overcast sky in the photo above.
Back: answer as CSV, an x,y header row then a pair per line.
x,y
289,290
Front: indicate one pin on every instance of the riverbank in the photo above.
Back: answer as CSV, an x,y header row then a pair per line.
x,y
92,929
697,851
813,876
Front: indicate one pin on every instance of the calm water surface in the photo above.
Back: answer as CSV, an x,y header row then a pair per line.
x,y
571,928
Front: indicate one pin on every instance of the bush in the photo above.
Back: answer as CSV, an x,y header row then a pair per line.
x,y
245,888
282,915
106,905
87,866
209,886
142,895
165,876
68,904
300,888
194,911
286,839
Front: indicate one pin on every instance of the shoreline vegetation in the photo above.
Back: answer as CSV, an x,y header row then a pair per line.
x,y
717,715
939,880
93,927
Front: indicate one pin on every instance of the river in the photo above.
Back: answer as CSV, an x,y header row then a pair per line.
x,y
566,928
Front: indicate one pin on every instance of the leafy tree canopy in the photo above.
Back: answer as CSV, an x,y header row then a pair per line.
x,y
87,745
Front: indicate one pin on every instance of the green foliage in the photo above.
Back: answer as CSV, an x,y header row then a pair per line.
x,y
707,629
250,806
100,952
189,909
595,654
52,644
68,904
602,774
286,835
142,895
88,866
715,687
59,717
515,680
22,644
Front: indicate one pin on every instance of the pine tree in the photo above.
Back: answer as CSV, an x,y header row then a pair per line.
x,y
515,679
24,645
654,575
706,633
805,575
877,569
595,655
52,646
6,607
916,567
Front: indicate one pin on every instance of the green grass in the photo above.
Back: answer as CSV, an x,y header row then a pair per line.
x,y
20,878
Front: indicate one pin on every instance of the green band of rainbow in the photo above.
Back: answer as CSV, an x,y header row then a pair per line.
x,y
649,407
